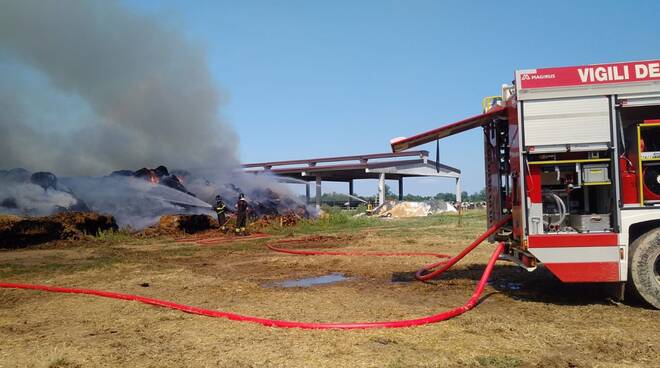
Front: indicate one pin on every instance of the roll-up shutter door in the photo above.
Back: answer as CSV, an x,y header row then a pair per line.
x,y
566,121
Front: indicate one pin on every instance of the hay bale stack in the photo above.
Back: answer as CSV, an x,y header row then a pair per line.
x,y
189,224
20,232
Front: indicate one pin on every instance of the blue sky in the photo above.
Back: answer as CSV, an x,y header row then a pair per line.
x,y
309,78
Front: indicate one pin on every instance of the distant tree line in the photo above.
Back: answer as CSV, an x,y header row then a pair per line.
x,y
447,197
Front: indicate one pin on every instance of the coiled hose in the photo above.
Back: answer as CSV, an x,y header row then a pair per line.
x,y
471,303
561,209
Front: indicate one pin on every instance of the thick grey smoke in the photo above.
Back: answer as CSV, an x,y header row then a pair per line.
x,y
89,87
147,201
25,198
132,201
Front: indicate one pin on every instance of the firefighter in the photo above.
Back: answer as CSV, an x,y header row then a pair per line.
x,y
370,208
221,210
241,214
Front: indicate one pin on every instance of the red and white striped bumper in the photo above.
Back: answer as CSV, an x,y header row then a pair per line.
x,y
580,257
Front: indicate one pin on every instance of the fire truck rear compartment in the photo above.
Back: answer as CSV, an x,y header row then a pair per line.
x,y
575,198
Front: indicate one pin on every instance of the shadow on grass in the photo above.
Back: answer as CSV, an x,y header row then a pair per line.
x,y
518,284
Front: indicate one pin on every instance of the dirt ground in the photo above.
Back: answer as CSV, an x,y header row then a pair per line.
x,y
524,319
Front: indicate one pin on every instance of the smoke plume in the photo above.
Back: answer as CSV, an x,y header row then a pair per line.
x,y
90,87
147,202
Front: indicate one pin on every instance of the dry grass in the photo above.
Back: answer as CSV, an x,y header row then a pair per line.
x,y
544,324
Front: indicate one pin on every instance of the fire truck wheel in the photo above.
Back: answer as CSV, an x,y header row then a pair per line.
x,y
645,267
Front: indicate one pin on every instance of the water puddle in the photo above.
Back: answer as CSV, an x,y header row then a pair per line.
x,y
506,285
513,286
312,281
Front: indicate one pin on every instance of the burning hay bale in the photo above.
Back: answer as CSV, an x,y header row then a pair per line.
x,y
20,232
270,203
159,175
288,219
189,224
138,199
264,195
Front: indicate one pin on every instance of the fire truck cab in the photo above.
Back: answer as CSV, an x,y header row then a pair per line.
x,y
573,155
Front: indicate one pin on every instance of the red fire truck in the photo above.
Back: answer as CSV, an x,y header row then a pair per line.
x,y
572,154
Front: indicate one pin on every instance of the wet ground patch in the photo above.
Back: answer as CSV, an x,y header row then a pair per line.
x,y
306,282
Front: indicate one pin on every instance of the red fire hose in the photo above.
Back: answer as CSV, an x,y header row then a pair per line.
x,y
422,274
301,252
291,324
